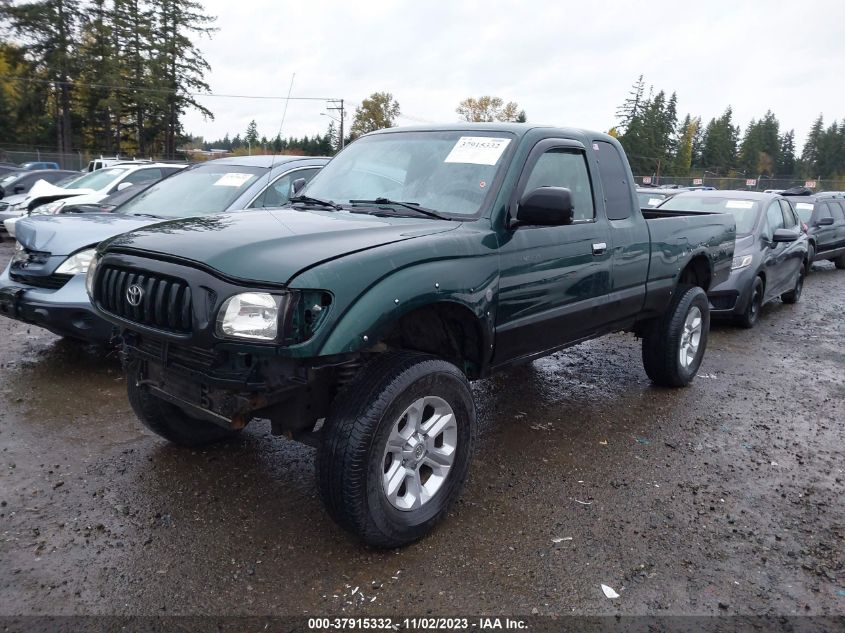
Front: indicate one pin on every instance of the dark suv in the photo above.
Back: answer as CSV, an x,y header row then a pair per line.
x,y
825,220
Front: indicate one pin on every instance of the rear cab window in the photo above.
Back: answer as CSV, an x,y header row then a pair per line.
x,y
614,181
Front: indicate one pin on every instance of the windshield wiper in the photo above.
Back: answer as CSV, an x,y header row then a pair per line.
x,y
322,203
413,206
149,215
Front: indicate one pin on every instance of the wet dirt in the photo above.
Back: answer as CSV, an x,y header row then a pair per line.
x,y
724,497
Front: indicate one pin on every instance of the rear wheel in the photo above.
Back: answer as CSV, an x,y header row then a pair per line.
x,y
811,253
794,295
839,262
673,347
169,421
748,319
396,449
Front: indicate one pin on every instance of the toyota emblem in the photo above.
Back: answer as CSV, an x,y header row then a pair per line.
x,y
134,295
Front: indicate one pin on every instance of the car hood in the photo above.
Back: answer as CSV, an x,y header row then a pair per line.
x,y
42,192
272,246
66,234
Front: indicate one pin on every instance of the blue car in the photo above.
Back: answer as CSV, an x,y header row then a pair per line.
x,y
44,283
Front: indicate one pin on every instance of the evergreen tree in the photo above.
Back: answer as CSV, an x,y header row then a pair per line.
x,y
630,108
810,153
48,29
718,151
251,137
786,154
688,131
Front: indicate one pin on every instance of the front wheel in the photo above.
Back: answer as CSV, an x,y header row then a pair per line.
x,y
673,347
396,450
811,253
794,295
748,319
839,262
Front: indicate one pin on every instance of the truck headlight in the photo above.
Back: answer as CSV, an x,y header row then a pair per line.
x,y
89,276
253,315
77,263
741,262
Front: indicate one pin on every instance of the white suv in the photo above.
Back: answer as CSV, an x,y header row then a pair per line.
x,y
93,187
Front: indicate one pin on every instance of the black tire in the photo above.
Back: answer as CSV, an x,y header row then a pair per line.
x,y
839,262
662,341
171,422
352,459
811,253
748,319
794,295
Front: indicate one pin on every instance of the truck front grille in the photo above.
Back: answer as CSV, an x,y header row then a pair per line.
x,y
164,303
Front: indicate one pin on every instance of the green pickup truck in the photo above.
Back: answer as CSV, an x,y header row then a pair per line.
x,y
418,260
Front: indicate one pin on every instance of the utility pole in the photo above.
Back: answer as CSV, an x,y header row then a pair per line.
x,y
342,113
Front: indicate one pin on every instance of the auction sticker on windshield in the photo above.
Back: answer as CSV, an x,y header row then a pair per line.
x,y
477,150
739,204
233,179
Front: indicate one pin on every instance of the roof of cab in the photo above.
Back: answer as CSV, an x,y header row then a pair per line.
x,y
518,129
265,160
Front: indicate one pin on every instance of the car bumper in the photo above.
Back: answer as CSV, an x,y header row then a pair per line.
x,y
66,311
731,297
9,225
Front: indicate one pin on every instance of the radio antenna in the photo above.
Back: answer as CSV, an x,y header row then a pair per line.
x,y
279,133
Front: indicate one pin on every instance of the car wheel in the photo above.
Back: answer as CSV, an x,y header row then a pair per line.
x,y
839,262
673,347
752,311
168,420
396,448
811,253
794,295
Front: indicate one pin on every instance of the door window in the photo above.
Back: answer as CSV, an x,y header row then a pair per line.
x,y
789,220
143,175
614,180
774,218
824,211
565,168
837,209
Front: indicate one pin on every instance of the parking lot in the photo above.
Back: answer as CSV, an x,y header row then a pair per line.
x,y
722,498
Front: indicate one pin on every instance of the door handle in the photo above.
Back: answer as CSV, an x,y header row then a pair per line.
x,y
599,248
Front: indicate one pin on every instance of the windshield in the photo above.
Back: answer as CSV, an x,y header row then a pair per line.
x,y
200,191
650,200
449,172
96,180
745,212
804,210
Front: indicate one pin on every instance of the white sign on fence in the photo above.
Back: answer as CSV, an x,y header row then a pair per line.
x,y
810,183
697,181
751,182
646,180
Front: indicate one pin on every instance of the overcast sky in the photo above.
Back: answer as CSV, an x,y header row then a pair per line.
x,y
565,63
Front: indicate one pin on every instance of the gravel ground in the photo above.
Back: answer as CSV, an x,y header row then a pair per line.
x,y
722,498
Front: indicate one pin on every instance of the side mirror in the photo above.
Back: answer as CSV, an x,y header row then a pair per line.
x,y
124,185
21,189
545,206
2,193
297,185
825,222
785,235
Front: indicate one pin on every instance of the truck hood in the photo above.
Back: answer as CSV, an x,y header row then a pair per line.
x,y
66,234
272,246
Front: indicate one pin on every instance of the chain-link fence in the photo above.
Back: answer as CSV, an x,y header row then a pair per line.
x,y
742,183
66,160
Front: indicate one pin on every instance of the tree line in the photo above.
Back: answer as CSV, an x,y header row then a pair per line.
x,y
114,76
378,111
656,141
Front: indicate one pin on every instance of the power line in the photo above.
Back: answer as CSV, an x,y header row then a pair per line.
x,y
159,90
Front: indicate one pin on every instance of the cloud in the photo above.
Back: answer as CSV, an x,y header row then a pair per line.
x,y
565,63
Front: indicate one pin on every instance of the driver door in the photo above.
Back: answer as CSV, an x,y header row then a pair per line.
x,y
553,279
